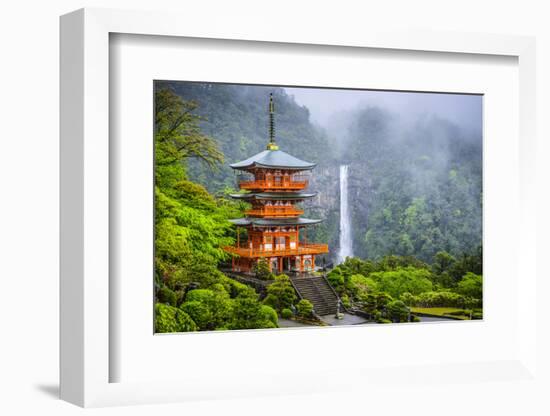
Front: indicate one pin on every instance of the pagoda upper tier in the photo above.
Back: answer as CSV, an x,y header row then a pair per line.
x,y
273,159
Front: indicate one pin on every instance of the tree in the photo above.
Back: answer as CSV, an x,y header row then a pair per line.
x,y
442,262
471,285
408,299
359,285
304,308
280,293
401,280
248,313
398,311
261,270
171,319
210,309
177,132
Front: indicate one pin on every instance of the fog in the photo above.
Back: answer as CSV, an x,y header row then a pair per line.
x,y
329,107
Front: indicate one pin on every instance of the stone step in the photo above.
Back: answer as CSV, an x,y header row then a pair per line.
x,y
318,292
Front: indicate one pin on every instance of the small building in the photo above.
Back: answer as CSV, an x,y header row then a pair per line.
x,y
276,181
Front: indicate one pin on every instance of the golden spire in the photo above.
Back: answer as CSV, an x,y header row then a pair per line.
x,y
272,145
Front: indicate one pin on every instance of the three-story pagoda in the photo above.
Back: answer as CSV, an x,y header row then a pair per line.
x,y
276,181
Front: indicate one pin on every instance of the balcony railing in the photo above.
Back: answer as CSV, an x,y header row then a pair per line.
x,y
298,251
273,184
275,211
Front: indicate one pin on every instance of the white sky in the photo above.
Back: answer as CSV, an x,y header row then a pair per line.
x,y
464,110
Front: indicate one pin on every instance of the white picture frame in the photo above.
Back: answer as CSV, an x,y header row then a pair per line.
x,y
85,182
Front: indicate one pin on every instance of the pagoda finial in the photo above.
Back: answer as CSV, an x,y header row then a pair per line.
x,y
272,145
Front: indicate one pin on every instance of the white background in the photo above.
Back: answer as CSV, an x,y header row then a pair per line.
x,y
29,224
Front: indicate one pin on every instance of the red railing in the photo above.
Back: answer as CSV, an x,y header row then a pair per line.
x,y
273,184
298,251
276,211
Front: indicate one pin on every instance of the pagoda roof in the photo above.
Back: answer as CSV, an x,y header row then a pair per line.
x,y
270,222
273,159
275,195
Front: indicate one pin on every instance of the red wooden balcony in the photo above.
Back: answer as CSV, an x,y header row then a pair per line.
x,y
298,251
275,211
274,184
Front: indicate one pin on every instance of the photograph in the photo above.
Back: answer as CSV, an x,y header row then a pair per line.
x,y
291,206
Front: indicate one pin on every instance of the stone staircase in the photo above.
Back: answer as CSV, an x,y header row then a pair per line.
x,y
317,290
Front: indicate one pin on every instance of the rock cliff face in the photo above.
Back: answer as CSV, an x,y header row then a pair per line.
x,y
325,181
360,198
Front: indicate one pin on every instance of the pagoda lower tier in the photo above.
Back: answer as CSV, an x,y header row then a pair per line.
x,y
278,241
282,256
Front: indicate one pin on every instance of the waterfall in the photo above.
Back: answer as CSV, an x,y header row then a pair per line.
x,y
346,249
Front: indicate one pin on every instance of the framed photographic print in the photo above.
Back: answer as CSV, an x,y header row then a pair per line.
x,y
248,215
356,234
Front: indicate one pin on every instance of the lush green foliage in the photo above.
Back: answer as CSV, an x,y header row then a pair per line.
x,y
398,311
248,313
396,282
191,228
304,308
261,270
171,319
286,313
418,185
471,285
280,293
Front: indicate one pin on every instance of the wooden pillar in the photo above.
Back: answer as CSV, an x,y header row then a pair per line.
x,y
280,264
313,263
301,264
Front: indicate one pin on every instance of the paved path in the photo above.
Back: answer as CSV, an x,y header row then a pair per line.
x,y
347,320
287,323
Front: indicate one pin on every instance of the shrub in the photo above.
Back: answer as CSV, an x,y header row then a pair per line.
x,y
401,280
408,299
170,319
271,300
415,319
280,293
248,313
471,285
167,296
286,313
185,322
261,270
440,298
270,315
345,301
384,321
209,309
398,311
304,308
359,284
336,280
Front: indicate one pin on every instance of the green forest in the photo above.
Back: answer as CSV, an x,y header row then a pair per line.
x,y
415,198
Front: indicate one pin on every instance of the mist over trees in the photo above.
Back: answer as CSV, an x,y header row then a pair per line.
x,y
416,185
415,179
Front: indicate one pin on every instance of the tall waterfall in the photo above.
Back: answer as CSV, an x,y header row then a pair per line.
x,y
346,249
